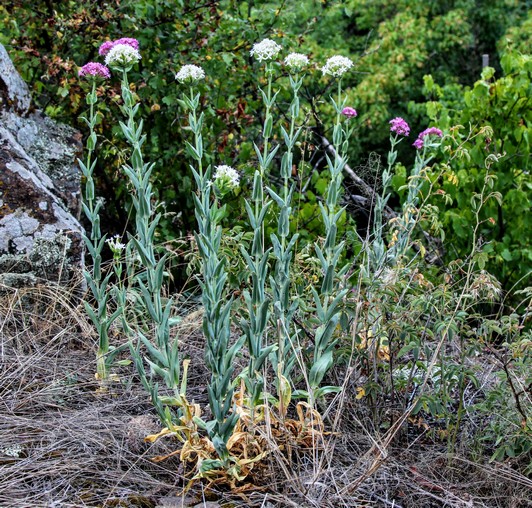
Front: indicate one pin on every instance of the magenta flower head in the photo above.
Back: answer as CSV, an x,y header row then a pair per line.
x,y
95,70
349,112
127,41
105,48
431,131
109,45
418,144
399,126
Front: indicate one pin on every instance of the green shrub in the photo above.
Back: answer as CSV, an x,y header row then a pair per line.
x,y
502,106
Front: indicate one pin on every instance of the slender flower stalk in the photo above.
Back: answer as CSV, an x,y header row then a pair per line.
x,y
284,243
266,51
163,356
219,354
427,140
331,295
378,255
258,302
100,316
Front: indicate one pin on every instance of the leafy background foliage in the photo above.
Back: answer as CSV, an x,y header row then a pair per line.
x,y
395,45
504,105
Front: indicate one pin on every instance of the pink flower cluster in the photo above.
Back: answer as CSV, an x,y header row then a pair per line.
x,y
399,126
94,69
431,131
418,143
98,70
126,41
349,112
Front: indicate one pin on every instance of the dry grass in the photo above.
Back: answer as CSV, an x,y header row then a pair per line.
x,y
64,444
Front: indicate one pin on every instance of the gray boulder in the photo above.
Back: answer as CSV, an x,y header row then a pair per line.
x,y
40,232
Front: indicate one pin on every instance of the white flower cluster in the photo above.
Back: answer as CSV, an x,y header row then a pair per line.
x,y
226,176
122,55
296,61
115,244
265,50
337,66
190,74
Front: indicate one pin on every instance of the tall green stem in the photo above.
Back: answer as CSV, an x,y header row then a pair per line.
x,y
378,255
258,302
91,208
328,301
407,222
163,357
283,246
219,354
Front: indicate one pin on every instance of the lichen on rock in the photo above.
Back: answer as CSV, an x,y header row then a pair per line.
x,y
40,190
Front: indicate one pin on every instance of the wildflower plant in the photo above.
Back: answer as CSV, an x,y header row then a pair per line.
x,y
283,242
100,316
148,272
219,354
258,302
379,256
328,301
271,304
426,144
268,304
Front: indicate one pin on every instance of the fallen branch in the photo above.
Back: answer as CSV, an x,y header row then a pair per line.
x,y
434,251
368,192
